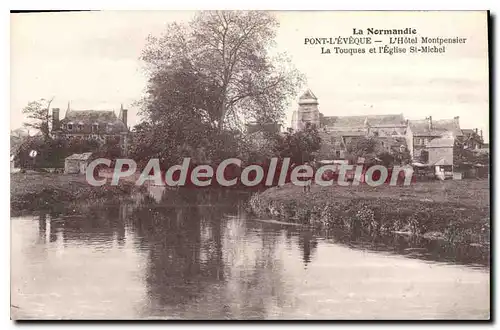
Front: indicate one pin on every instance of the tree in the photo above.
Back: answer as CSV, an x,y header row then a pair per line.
x,y
218,69
362,147
300,146
39,115
402,157
395,157
463,156
52,152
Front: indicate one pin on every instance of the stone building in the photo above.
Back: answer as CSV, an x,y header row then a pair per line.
x,y
420,133
99,125
307,112
77,163
440,156
391,131
338,131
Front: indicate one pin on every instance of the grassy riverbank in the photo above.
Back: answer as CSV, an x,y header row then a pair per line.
x,y
33,191
457,211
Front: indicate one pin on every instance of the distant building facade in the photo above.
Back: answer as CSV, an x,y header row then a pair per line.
x,y
101,126
392,132
339,131
420,133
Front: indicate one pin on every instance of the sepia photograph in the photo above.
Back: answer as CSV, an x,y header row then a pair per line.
x,y
250,165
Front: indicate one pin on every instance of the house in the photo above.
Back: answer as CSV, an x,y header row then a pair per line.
x,y
472,139
419,133
440,152
77,163
101,126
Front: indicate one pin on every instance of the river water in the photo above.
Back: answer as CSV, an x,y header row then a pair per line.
x,y
167,257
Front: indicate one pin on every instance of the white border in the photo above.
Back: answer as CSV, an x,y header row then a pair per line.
x,y
492,5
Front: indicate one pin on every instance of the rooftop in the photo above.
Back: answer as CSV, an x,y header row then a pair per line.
x,y
106,121
84,156
361,121
441,142
439,127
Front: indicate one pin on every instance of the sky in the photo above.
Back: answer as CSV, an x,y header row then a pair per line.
x,y
91,59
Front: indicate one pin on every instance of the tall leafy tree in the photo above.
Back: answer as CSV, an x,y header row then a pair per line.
x,y
301,146
219,70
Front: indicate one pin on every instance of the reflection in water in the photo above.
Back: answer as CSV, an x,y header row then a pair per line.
x,y
196,254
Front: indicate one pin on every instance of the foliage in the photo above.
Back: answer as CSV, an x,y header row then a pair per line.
x,y
324,207
370,149
52,152
39,116
463,156
170,143
218,69
402,157
362,147
395,157
207,77
300,146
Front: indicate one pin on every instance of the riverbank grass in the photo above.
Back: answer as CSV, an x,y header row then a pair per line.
x,y
457,211
32,190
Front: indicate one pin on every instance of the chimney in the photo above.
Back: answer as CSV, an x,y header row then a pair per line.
x,y
55,119
481,134
429,119
475,129
457,122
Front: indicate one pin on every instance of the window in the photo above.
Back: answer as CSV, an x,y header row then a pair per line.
x,y
80,127
337,153
95,127
70,126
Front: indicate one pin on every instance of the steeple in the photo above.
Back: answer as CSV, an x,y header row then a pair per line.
x,y
308,111
308,98
123,114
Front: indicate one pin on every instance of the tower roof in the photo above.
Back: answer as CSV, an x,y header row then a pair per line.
x,y
308,95
308,98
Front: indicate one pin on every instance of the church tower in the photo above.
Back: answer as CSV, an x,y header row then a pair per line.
x,y
308,111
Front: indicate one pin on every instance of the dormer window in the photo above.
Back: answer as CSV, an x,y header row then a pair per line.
x,y
95,127
109,127
80,126
70,126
